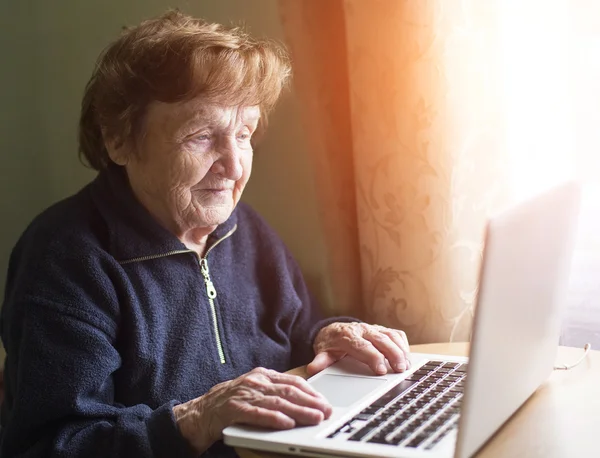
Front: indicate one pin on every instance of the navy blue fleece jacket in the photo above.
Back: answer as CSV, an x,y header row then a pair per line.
x,y
107,324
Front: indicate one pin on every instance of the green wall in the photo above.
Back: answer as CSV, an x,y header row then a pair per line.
x,y
49,49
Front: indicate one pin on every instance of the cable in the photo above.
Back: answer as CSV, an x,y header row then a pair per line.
x,y
586,349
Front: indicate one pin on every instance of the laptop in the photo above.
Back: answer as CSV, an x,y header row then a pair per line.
x,y
451,406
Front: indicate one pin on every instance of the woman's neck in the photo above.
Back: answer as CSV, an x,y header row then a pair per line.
x,y
196,239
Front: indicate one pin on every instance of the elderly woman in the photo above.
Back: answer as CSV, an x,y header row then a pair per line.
x,y
152,309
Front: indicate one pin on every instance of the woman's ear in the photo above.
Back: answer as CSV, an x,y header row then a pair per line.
x,y
117,150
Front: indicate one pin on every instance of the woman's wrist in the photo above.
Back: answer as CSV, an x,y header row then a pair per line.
x,y
192,425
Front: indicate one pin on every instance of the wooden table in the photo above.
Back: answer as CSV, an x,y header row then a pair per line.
x,y
562,419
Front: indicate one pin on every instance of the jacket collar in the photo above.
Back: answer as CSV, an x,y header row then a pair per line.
x,y
132,230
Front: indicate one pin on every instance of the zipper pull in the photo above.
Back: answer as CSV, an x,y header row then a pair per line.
x,y
210,288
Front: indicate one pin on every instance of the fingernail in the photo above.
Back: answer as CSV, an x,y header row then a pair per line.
x,y
401,367
381,369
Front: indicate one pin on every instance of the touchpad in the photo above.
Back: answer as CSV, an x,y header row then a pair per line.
x,y
342,390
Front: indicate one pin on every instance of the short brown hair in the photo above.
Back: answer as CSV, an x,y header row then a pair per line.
x,y
174,58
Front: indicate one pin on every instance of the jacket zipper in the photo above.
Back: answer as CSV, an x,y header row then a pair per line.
x,y
155,256
211,292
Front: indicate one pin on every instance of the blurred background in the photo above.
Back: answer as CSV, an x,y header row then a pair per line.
x,y
407,124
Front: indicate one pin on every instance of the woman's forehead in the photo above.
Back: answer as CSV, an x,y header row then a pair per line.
x,y
196,111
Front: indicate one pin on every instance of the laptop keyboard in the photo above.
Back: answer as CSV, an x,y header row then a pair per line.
x,y
418,412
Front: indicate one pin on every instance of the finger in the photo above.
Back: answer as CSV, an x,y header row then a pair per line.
x,y
396,337
299,397
364,351
294,380
267,418
399,337
388,348
300,414
297,390
323,360
262,378
405,339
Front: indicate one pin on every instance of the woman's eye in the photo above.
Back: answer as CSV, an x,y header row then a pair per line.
x,y
244,136
200,138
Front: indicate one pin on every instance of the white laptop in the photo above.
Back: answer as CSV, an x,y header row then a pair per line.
x,y
450,406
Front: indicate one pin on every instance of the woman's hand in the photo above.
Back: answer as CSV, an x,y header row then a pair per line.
x,y
261,397
374,345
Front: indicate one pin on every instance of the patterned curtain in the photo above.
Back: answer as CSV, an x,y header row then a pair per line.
x,y
404,113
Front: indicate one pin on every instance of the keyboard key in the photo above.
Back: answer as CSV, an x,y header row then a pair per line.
x,y
335,433
400,437
462,368
399,405
437,405
382,402
387,429
454,409
435,424
378,439
415,378
445,416
393,393
419,375
433,443
358,435
347,427
417,440
386,415
371,410
398,421
412,427
430,429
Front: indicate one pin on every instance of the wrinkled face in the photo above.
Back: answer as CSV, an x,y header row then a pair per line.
x,y
193,162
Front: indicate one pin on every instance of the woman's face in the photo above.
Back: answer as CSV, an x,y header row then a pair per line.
x,y
194,160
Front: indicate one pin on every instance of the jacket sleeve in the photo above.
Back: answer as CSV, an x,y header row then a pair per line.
x,y
309,319
60,330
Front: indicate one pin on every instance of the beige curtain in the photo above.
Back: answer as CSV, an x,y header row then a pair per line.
x,y
404,116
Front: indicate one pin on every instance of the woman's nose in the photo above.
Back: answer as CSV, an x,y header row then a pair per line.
x,y
229,160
